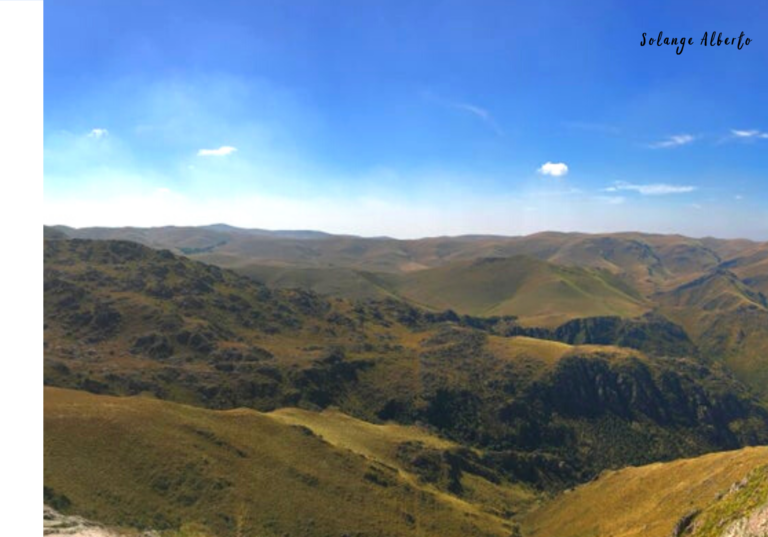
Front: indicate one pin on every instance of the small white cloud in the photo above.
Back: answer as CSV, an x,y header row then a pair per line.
x,y
654,189
163,190
748,134
98,133
220,152
555,169
738,197
674,141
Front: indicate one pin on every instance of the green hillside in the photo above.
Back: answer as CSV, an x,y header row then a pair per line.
x,y
141,463
728,320
124,319
148,464
537,292
653,500
335,282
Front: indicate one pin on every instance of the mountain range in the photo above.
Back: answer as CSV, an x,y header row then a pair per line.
x,y
450,385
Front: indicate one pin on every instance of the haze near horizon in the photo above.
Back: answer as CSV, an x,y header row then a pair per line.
x,y
405,121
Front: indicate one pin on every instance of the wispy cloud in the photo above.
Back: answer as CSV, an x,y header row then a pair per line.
x,y
555,169
477,111
481,113
220,152
748,134
98,133
653,189
673,141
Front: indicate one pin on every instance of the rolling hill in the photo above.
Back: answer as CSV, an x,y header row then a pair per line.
x,y
544,280
537,292
659,500
124,319
727,319
640,265
148,464
142,463
464,398
649,262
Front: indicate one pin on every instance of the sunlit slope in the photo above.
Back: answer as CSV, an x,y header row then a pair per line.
x,y
645,501
413,452
742,511
728,320
123,319
539,293
651,261
337,282
752,267
139,462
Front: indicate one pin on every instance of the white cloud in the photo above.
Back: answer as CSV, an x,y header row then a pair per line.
x,y
220,152
477,111
748,134
481,113
654,189
98,133
555,169
674,141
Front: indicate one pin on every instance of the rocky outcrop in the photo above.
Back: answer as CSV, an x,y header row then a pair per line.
x,y
56,524
753,525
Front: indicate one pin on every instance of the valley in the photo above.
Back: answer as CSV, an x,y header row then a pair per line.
x,y
452,386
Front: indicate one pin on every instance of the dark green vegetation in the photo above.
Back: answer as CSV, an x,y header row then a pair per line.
x,y
508,408
125,319
714,289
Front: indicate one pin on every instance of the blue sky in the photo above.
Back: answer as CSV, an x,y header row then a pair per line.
x,y
407,118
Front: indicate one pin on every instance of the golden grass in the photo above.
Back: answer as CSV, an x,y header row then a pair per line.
x,y
368,439
539,293
549,352
645,501
139,462
514,348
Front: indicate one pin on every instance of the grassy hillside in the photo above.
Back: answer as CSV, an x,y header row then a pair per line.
x,y
136,462
649,501
336,282
144,463
124,319
728,320
537,292
651,262
751,265
742,511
